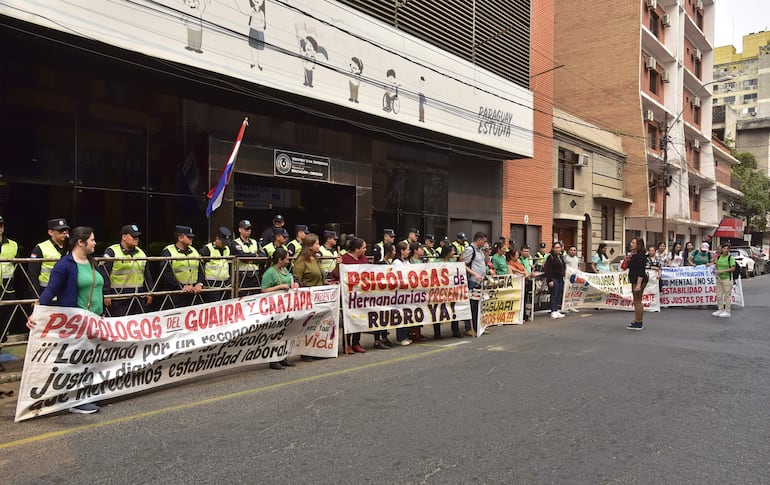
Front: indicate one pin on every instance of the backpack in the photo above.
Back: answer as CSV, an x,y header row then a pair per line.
x,y
737,270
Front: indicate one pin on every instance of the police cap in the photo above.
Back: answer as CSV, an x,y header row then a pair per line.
x,y
131,229
245,224
300,228
389,232
461,236
224,233
186,230
58,224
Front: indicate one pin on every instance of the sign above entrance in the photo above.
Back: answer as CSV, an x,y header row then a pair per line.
x,y
300,165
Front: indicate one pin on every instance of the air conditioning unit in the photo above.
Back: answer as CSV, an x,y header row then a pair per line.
x,y
695,102
666,20
649,115
652,210
653,4
697,54
696,189
582,160
650,63
698,4
665,77
696,144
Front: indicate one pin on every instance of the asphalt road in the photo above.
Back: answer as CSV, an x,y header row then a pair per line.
x,y
576,400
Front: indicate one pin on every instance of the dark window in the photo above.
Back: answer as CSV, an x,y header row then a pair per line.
x,y
652,137
566,169
655,24
608,222
696,114
748,98
696,159
654,80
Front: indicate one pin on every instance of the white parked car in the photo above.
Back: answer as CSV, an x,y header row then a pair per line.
x,y
744,260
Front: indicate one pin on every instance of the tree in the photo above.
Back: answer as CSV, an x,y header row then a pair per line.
x,y
755,186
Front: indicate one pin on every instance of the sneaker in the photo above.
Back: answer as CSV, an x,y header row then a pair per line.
x,y
406,341
286,363
556,315
717,313
381,345
725,314
87,408
635,326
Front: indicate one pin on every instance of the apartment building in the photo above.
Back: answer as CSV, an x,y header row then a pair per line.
x,y
742,104
643,70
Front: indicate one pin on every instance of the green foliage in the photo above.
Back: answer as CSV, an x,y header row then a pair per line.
x,y
755,186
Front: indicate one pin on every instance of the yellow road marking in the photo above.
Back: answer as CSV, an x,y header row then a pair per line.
x,y
178,407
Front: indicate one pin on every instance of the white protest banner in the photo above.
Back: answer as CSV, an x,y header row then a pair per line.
x,y
694,285
75,357
379,297
608,290
502,298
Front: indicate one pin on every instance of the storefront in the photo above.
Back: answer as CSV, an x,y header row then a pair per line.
x,y
105,135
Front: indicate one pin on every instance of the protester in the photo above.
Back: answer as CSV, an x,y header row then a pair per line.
x,y
307,269
653,261
402,258
571,259
278,278
724,268
356,255
677,256
515,266
554,272
703,257
75,283
499,264
600,262
416,256
381,337
636,263
687,253
446,254
476,269
664,257
526,261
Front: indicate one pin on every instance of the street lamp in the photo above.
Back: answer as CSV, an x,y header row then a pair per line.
x,y
665,143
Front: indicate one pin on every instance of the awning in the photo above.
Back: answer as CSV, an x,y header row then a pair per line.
x,y
730,227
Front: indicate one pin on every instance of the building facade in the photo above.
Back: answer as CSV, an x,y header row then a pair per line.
x,y
120,113
644,72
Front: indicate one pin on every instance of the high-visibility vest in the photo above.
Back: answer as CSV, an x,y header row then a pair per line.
x,y
253,248
328,265
127,272
430,255
49,252
270,248
217,269
184,266
8,250
294,247
459,248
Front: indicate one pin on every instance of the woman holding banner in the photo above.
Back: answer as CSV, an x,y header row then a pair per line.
x,y
636,262
402,258
278,278
600,263
356,255
447,255
76,283
688,250
677,256
381,337
499,264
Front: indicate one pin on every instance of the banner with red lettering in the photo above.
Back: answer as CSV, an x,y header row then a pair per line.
x,y
502,301
75,357
381,297
608,290
694,285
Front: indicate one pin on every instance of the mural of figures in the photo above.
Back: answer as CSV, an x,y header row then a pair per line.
x,y
309,48
257,26
390,100
421,99
356,68
194,24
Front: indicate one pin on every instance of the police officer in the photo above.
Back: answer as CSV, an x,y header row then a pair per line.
x,y
269,233
216,272
388,236
279,241
430,253
8,250
295,245
412,235
127,273
540,257
460,244
53,248
246,247
182,271
345,242
329,254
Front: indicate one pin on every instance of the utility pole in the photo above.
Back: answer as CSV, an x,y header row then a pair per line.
x,y
664,145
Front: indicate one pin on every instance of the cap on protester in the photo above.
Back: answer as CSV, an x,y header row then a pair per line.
x,y
389,232
704,247
244,224
131,229
186,230
461,236
224,233
300,228
429,237
58,224
278,218
330,235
